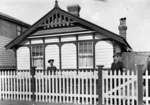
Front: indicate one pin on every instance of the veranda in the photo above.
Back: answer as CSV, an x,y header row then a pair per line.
x,y
84,86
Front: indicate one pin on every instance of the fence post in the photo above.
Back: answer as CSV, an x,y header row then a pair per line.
x,y
140,84
100,87
32,73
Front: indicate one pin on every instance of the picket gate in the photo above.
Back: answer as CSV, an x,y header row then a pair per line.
x,y
119,89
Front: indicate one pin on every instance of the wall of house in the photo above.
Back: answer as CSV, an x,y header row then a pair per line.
x,y
8,31
23,58
68,53
104,53
7,57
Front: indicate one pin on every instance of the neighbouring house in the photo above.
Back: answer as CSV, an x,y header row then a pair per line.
x,y
74,43
10,28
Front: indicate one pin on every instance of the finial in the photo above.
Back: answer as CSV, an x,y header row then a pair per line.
x,y
56,3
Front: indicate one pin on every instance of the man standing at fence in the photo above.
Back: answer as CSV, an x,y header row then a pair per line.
x,y
117,65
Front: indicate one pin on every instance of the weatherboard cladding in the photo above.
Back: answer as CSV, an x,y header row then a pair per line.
x,y
43,23
104,53
8,29
7,33
7,57
69,56
23,58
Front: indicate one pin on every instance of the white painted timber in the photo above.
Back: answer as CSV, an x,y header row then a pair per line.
x,y
52,52
69,56
23,58
64,39
51,40
36,41
85,37
104,53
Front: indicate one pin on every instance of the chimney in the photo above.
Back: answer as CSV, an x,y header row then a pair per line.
x,y
74,9
122,27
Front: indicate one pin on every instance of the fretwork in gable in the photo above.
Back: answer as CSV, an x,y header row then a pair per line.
x,y
57,20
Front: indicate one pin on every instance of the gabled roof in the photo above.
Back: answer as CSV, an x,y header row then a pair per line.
x,y
13,20
74,18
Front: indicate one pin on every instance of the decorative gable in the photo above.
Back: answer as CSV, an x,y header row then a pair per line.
x,y
57,20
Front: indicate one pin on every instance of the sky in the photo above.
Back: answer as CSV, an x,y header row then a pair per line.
x,y
105,13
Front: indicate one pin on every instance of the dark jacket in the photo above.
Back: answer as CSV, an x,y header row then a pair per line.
x,y
51,68
117,66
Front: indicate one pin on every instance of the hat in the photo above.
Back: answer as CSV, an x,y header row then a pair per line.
x,y
50,60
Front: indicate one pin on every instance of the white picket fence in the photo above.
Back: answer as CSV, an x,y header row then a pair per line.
x,y
67,87
119,89
79,87
15,85
59,87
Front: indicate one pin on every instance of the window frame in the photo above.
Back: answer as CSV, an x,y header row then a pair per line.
x,y
40,48
88,55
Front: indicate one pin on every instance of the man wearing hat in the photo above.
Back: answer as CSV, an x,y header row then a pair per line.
x,y
51,67
117,65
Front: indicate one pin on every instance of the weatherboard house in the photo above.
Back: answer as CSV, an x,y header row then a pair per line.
x,y
10,28
74,43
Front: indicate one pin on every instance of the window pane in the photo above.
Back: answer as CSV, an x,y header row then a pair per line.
x,y
90,47
38,63
80,47
41,51
85,47
33,51
37,50
85,54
